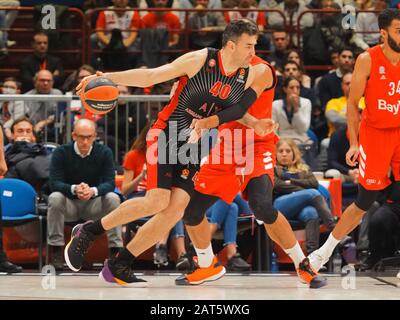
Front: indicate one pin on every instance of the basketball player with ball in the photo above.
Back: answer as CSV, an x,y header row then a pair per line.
x,y
217,86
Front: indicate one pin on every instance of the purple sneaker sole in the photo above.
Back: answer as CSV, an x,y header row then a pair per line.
x,y
107,276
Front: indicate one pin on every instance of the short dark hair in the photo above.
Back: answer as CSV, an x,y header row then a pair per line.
x,y
288,79
386,17
13,79
22,119
291,62
238,27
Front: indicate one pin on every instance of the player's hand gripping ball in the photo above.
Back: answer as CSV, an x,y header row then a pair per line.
x,y
99,95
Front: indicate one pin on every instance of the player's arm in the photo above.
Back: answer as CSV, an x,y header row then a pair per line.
x,y
263,79
188,64
357,87
261,127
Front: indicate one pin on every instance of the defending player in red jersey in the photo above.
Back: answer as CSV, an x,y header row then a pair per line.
x,y
375,143
223,175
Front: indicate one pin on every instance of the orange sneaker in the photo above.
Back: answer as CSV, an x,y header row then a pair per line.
x,y
307,275
199,275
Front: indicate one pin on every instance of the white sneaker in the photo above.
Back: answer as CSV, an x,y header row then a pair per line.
x,y
317,260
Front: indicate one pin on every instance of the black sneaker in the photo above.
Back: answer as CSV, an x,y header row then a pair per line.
x,y
121,275
76,249
307,275
183,262
236,263
9,267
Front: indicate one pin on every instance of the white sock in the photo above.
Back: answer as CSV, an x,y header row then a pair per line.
x,y
296,254
205,256
328,247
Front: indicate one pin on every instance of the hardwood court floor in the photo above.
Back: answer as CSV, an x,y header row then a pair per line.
x,y
161,287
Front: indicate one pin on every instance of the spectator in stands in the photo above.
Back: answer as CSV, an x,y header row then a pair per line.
x,y
191,4
277,58
296,192
82,182
75,77
335,35
292,10
26,159
330,85
337,165
292,113
44,113
163,20
294,55
120,25
206,27
134,185
7,18
22,130
5,265
10,110
335,111
263,42
225,217
255,16
123,122
40,60
292,69
367,24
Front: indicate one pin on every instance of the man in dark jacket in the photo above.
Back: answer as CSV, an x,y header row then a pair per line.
x,y
26,159
40,60
82,181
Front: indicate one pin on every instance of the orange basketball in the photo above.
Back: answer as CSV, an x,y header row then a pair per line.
x,y
99,95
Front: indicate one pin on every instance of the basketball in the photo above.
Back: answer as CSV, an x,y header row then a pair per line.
x,y
99,95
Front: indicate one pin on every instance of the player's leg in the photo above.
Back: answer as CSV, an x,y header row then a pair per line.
x,y
212,182
374,162
156,199
199,231
119,270
259,192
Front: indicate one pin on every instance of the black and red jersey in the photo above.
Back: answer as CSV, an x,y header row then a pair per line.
x,y
206,93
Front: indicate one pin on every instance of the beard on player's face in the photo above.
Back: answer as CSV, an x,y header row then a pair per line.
x,y
393,44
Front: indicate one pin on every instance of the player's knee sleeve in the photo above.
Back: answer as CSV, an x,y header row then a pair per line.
x,y
193,215
365,198
263,210
197,207
259,192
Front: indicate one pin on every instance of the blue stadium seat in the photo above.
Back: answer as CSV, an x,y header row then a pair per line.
x,y
18,206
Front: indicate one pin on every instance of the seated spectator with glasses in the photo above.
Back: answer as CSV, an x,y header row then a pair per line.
x,y
82,182
44,113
